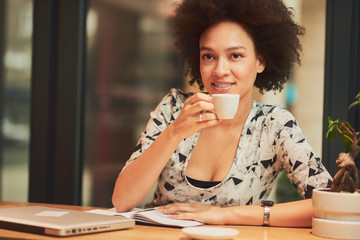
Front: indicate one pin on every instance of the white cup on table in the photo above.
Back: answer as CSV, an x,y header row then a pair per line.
x,y
226,105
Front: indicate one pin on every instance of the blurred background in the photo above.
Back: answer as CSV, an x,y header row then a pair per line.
x,y
131,64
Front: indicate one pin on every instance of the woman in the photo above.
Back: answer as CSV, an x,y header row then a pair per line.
x,y
218,171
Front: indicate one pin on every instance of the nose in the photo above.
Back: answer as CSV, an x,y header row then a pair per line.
x,y
222,67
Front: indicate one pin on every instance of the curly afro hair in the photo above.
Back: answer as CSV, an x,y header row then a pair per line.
x,y
268,22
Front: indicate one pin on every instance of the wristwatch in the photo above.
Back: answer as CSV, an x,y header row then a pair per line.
x,y
267,204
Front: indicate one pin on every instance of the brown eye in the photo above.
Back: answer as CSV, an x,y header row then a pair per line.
x,y
236,55
207,57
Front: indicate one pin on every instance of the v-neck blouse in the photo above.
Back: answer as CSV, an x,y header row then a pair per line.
x,y
271,142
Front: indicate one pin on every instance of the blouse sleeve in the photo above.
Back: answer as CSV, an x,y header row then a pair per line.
x,y
166,112
303,167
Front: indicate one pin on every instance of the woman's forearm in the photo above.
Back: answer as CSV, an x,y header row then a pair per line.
x,y
291,214
137,180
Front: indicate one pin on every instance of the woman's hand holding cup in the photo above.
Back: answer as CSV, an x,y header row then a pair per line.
x,y
198,112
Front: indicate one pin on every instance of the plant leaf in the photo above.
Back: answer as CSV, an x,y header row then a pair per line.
x,y
354,104
344,136
331,135
330,120
358,96
331,131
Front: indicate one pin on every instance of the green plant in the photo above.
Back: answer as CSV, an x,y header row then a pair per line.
x,y
343,181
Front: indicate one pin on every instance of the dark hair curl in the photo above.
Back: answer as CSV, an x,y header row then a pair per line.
x,y
268,22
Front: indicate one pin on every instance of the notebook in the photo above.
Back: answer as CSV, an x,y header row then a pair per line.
x,y
150,216
59,222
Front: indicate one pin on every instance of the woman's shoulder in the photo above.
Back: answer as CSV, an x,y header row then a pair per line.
x,y
180,94
273,113
175,97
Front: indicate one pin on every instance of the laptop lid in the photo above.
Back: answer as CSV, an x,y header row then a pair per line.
x,y
59,222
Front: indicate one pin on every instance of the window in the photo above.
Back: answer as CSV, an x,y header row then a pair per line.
x,y
131,65
15,97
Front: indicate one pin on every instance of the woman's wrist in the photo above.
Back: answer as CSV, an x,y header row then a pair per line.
x,y
173,135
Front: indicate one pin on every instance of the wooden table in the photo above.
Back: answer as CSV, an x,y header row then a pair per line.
x,y
142,232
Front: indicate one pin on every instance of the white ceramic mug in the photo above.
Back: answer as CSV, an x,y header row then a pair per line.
x,y
226,105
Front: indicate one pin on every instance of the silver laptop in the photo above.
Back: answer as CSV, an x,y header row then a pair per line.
x,y
59,222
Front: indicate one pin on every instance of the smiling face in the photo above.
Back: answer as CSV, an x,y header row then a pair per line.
x,y
228,61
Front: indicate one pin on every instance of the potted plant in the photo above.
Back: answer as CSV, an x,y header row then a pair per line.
x,y
337,209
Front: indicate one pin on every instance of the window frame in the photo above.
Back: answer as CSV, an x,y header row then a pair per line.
x,y
342,74
2,53
59,46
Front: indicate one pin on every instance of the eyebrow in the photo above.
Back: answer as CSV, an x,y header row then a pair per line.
x,y
228,49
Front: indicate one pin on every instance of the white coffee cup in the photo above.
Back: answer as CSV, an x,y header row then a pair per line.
x,y
226,105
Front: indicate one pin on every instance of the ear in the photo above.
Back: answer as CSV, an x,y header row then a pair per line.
x,y
260,63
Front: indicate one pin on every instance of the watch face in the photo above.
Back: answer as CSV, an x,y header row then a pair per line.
x,y
268,203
